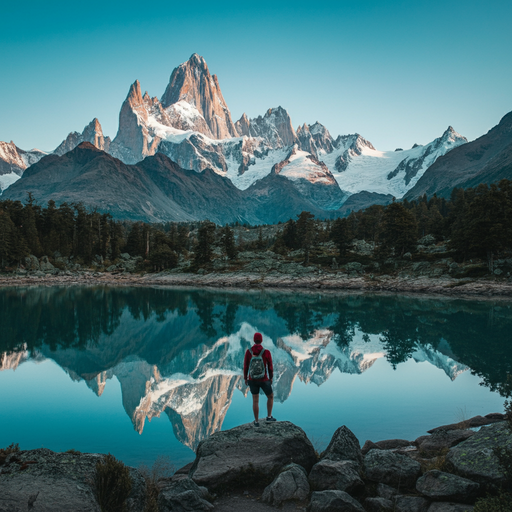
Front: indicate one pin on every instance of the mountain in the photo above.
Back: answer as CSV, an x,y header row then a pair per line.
x,y
191,124
14,161
487,159
92,133
192,85
156,189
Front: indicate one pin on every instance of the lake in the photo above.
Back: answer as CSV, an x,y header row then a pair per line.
x,y
143,372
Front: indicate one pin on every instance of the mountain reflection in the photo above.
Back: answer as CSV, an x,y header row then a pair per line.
x,y
181,351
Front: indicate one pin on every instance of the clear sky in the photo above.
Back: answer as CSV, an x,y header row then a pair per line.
x,y
397,72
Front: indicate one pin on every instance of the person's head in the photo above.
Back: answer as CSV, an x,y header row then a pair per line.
x,y
258,338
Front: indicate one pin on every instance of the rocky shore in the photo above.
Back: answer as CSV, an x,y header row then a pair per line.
x,y
275,465
316,280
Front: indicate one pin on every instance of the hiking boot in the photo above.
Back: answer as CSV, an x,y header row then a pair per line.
x,y
270,418
256,423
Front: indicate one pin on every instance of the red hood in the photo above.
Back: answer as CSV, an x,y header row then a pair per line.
x,y
256,349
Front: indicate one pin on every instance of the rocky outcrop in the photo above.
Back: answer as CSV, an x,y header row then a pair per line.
x,y
344,445
290,484
391,468
92,133
57,482
181,494
474,458
441,486
441,440
341,475
191,82
227,457
14,161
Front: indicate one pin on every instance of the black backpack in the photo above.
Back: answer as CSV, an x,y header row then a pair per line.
x,y
257,366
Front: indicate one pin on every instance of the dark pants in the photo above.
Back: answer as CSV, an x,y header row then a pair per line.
x,y
256,385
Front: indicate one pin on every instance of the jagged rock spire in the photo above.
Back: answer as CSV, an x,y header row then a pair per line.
x,y
192,83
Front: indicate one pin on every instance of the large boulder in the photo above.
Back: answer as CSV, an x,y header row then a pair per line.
x,y
393,444
31,262
391,468
440,486
475,459
344,445
410,504
181,494
237,456
341,475
333,501
47,481
291,484
45,265
441,440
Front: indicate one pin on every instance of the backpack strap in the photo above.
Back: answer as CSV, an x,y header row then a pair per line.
x,y
261,353
250,351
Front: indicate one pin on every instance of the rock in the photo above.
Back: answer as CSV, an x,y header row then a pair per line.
x,y
476,421
392,444
354,265
344,445
362,247
59,481
341,475
45,265
369,445
388,467
291,484
410,504
378,505
474,458
239,455
182,494
450,507
385,491
333,501
31,262
437,485
427,240
441,440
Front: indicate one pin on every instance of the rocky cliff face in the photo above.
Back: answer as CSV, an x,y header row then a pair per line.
x,y
92,133
191,83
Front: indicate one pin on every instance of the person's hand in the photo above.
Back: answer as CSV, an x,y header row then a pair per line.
x,y
246,382
271,380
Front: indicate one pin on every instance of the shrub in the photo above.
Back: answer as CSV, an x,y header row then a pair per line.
x,y
4,452
112,484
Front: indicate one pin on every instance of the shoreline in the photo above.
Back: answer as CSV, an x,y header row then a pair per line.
x,y
333,282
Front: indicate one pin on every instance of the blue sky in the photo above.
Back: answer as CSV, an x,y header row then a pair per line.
x,y
396,72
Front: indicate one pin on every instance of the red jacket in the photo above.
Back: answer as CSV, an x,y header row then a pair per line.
x,y
267,360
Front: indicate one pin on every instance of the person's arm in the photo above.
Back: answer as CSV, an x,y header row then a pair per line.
x,y
247,359
270,366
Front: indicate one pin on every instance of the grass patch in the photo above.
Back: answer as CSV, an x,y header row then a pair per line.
x,y
500,503
4,452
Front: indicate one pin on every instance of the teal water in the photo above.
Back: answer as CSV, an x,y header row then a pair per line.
x,y
143,372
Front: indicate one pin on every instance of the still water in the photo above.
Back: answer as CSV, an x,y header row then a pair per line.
x,y
143,372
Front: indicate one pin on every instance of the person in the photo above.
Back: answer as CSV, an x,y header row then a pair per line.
x,y
264,383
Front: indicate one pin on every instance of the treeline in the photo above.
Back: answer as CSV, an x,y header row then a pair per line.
x,y
476,222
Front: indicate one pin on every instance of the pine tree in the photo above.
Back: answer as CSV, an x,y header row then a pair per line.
x,y
399,228
204,246
341,235
306,233
227,241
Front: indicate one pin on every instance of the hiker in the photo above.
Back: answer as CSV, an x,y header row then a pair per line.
x,y
258,374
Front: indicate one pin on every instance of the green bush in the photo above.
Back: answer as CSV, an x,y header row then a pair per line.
x,y
4,452
112,484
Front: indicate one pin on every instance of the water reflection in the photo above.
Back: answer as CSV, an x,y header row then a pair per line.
x,y
180,351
